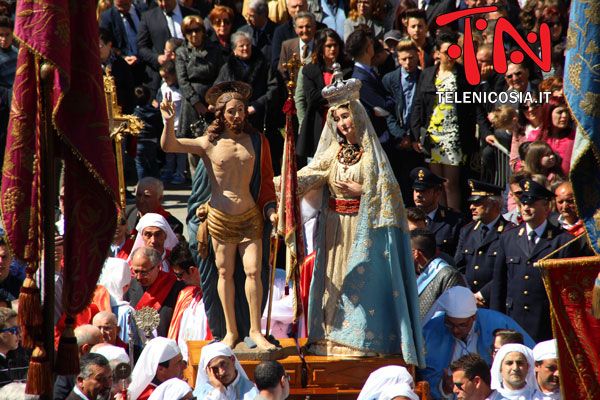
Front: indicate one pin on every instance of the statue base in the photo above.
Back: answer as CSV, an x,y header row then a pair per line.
x,y
320,377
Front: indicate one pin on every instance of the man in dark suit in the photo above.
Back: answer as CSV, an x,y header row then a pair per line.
x,y
517,288
479,240
157,25
123,22
306,27
94,380
402,85
260,28
378,103
441,220
287,31
152,287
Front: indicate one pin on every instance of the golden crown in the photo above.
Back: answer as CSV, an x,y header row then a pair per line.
x,y
339,91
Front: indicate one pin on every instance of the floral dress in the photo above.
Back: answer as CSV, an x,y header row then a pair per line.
x,y
443,128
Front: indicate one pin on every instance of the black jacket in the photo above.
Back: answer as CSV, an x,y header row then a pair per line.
x,y
258,73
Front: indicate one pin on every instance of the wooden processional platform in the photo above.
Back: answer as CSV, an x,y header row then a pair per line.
x,y
326,377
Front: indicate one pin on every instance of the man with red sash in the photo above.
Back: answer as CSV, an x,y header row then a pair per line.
x,y
152,287
148,199
189,320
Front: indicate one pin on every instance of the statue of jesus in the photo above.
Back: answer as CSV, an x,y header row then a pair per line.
x,y
235,217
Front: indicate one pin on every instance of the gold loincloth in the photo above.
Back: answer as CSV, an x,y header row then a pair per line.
x,y
235,228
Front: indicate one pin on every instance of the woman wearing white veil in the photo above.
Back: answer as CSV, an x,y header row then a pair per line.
x,y
363,298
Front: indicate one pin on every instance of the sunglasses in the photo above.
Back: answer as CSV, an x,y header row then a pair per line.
x,y
516,75
194,30
459,385
220,21
518,193
14,330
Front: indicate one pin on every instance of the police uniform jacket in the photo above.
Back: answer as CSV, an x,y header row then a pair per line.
x,y
517,287
475,258
446,224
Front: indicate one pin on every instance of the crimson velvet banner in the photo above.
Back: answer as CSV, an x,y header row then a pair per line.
x,y
64,35
569,284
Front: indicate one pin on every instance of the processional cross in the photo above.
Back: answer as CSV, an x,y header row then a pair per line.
x,y
119,125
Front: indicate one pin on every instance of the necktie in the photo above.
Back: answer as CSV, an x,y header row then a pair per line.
x,y
171,24
304,51
484,231
532,236
130,21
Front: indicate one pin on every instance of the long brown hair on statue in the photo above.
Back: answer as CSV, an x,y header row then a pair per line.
x,y
217,127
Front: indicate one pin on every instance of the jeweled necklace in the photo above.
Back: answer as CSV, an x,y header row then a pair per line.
x,y
349,154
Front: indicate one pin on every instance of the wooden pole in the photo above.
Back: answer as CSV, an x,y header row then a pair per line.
x,y
48,165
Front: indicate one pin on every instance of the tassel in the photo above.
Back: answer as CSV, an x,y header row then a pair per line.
x,y
67,356
596,298
30,311
39,378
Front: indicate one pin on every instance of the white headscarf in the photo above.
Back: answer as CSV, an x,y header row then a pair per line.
x,y
211,351
380,379
172,389
156,220
115,275
545,350
497,381
156,351
399,389
458,302
113,353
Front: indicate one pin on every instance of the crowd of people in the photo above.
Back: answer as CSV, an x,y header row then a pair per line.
x,y
419,215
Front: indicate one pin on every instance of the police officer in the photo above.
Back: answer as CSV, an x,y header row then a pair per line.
x,y
478,241
517,287
444,222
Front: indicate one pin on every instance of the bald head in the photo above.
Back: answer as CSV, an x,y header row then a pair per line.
x,y
87,336
565,203
107,323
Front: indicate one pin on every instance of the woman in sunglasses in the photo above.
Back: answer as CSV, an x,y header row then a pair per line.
x,y
197,65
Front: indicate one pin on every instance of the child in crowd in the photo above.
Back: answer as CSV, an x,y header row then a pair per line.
x,y
504,121
176,163
147,140
541,159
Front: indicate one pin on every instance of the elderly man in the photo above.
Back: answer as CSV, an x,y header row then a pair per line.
x,y
434,275
94,380
478,241
471,378
153,231
272,381
546,370
87,337
107,323
260,27
441,220
517,288
565,205
160,361
148,199
461,329
152,287
305,26
221,376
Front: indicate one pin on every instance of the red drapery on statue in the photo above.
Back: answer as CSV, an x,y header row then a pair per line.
x,y
569,284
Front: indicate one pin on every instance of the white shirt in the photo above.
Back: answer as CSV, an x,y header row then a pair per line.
x,y
231,391
174,22
460,349
539,231
79,393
